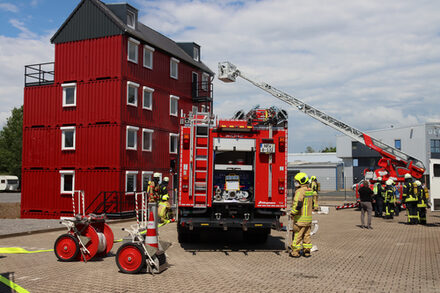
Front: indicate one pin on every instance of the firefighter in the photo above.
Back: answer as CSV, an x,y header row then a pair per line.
x,y
164,211
163,187
410,199
378,191
314,187
397,202
389,199
153,188
422,203
302,217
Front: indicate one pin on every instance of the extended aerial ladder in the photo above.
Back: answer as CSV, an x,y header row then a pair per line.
x,y
395,163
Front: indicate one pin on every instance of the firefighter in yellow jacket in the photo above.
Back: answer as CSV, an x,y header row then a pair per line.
x,y
302,217
314,187
164,210
153,188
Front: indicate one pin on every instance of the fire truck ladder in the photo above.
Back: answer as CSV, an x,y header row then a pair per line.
x,y
200,124
229,72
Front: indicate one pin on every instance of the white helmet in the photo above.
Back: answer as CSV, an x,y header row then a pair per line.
x,y
418,183
166,179
407,176
156,175
389,182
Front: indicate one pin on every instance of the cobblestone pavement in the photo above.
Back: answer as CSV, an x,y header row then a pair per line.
x,y
393,257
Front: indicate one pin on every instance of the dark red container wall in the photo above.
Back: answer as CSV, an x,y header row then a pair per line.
x,y
41,197
96,101
88,59
96,146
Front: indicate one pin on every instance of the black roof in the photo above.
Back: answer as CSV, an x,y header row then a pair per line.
x,y
94,19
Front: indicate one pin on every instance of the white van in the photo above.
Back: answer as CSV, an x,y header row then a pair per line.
x,y
9,183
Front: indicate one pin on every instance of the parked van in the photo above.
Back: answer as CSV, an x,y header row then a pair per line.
x,y
9,183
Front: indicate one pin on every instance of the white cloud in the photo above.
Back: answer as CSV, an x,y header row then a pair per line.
x,y
24,31
368,63
8,7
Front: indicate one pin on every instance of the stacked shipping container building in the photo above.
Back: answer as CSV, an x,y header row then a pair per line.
x,y
105,115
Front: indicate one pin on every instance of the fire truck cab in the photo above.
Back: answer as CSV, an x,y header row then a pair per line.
x,y
232,173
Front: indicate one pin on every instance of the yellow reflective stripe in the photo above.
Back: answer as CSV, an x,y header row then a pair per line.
x,y
308,245
12,285
17,250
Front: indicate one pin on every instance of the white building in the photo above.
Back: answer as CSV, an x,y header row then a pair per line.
x,y
419,141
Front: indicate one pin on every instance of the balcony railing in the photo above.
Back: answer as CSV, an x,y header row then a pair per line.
x,y
201,92
39,74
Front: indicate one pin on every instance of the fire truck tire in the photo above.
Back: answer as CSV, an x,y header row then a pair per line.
x,y
130,258
66,247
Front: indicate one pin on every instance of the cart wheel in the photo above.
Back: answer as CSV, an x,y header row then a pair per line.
x,y
66,247
109,238
130,258
92,245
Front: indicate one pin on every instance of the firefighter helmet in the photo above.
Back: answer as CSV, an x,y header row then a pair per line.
x,y
407,176
302,178
313,178
156,175
166,179
418,183
165,197
389,182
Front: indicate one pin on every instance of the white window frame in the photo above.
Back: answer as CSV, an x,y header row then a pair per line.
x,y
63,173
131,128
65,86
151,91
205,81
133,26
174,61
127,173
135,43
196,53
136,85
144,174
176,136
175,98
151,50
63,138
145,130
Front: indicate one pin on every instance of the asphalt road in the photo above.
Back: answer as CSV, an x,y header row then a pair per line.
x,y
10,197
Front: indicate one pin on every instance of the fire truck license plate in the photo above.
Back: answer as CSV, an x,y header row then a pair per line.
x,y
267,148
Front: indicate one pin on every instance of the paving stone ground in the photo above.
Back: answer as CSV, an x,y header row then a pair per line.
x,y
393,257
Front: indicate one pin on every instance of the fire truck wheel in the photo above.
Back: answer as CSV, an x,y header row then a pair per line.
x,y
66,247
130,258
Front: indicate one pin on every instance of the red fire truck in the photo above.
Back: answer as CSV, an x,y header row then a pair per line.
x,y
232,173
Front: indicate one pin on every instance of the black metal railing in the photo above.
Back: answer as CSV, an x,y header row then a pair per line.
x,y
39,74
115,204
201,91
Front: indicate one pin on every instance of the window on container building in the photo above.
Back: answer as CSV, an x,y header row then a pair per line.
x,y
67,181
69,94
398,144
147,99
174,105
132,138
174,69
148,57
146,177
132,50
131,19
205,81
435,145
130,181
68,138
174,140
147,139
196,54
132,93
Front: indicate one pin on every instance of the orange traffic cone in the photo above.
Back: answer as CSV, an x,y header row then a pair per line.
x,y
151,237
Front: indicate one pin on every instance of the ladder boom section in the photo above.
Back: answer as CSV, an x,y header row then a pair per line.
x,y
229,72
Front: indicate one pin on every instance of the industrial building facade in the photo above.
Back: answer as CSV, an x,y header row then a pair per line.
x,y
105,115
419,141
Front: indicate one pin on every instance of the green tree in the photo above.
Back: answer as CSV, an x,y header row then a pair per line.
x,y
309,149
11,143
328,150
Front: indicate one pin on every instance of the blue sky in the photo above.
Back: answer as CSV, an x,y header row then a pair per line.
x,y
371,64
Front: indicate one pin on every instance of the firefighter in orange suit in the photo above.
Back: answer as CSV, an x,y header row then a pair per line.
x,y
153,188
314,187
302,216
